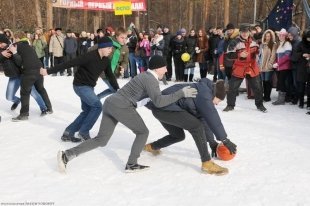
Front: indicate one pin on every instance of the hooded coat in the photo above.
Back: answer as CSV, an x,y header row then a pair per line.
x,y
267,55
303,48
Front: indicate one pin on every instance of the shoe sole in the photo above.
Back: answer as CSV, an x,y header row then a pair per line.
x,y
215,173
155,153
61,164
137,170
18,120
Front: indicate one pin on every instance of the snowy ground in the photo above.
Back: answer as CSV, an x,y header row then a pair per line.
x,y
271,167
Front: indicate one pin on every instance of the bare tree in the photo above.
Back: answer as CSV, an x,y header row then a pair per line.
x,y
240,11
190,14
49,15
226,12
85,24
38,13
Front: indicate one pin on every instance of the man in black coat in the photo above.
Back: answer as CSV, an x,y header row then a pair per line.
x,y
90,66
30,76
198,116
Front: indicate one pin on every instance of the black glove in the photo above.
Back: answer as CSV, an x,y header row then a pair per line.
x,y
213,146
230,146
213,150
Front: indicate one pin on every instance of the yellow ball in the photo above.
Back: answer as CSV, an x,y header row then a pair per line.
x,y
185,57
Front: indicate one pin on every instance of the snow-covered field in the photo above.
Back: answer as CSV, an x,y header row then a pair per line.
x,y
270,168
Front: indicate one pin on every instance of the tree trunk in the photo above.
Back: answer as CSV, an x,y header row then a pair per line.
x,y
240,11
85,16
303,22
38,13
206,10
226,12
190,14
137,19
168,14
13,12
96,23
68,18
260,10
49,15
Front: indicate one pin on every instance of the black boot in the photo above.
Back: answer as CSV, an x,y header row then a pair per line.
x,y
191,77
281,99
185,77
301,100
267,91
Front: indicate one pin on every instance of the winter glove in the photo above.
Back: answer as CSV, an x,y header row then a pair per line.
x,y
189,92
213,150
230,146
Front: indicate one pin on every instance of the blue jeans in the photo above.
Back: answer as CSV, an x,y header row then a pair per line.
x,y
266,76
13,86
106,92
91,109
133,64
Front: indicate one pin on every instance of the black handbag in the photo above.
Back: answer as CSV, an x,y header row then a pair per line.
x,y
189,65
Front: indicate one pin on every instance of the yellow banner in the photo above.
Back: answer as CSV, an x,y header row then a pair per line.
x,y
122,8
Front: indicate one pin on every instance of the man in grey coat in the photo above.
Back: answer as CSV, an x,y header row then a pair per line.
x,y
121,107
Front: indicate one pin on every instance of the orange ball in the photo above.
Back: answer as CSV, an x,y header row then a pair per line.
x,y
223,152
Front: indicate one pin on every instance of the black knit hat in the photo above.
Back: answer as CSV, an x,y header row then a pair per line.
x,y
104,42
230,26
219,89
156,62
4,39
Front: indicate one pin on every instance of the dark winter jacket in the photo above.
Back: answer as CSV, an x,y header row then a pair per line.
x,y
178,46
70,45
191,43
90,66
167,39
303,48
201,107
11,66
31,64
294,31
132,43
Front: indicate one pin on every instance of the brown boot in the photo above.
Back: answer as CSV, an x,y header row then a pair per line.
x,y
149,148
212,168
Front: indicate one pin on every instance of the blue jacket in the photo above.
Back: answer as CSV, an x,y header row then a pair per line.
x,y
201,107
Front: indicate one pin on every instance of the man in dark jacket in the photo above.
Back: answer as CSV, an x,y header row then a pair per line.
x,y
12,62
90,66
197,115
30,76
70,48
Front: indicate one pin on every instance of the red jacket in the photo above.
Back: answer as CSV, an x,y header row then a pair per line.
x,y
248,65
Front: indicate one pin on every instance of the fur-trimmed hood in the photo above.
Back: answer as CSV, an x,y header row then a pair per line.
x,y
233,35
158,39
273,36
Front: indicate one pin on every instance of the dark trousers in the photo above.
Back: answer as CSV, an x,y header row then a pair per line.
x,y
27,81
59,60
203,69
255,85
228,71
116,109
282,76
174,123
178,67
68,58
302,88
169,66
